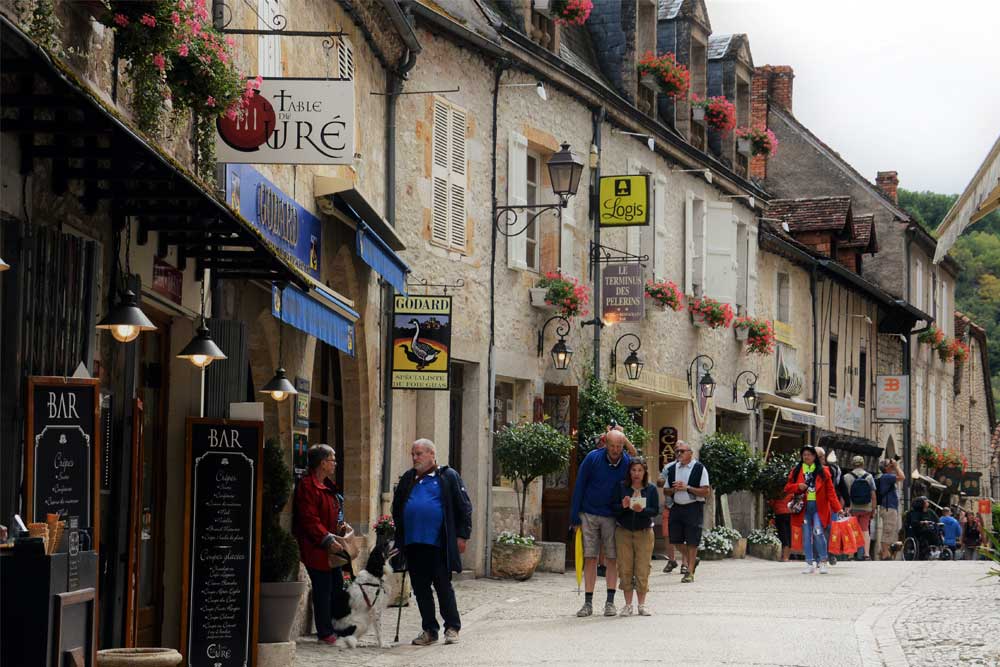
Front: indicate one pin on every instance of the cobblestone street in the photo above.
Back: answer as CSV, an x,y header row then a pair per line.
x,y
747,612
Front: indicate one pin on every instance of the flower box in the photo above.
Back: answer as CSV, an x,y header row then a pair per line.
x,y
538,298
765,551
707,312
743,146
698,320
564,294
757,332
742,333
650,81
672,78
762,141
698,114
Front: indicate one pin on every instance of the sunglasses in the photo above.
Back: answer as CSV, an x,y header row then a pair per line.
x,y
681,451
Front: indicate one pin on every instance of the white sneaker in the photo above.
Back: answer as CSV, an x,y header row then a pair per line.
x,y
823,569
626,610
808,569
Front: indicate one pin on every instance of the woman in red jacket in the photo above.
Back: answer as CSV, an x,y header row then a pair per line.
x,y
811,479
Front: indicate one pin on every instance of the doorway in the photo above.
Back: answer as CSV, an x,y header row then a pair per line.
x,y
455,417
326,406
560,404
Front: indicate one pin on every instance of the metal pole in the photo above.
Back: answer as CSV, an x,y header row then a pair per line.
x,y
595,214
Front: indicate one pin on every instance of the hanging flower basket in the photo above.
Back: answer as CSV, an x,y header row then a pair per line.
x,y
538,295
959,351
564,293
762,141
698,114
935,458
570,12
650,81
933,337
664,294
757,332
673,78
717,112
743,146
707,312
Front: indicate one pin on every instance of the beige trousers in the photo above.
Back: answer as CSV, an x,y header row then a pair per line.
x,y
635,555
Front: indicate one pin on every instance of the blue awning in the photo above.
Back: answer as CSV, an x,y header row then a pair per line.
x,y
317,313
378,255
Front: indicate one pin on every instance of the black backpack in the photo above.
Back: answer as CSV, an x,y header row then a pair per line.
x,y
861,490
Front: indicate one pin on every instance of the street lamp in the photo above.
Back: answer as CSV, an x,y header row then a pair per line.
x,y
632,364
707,382
565,169
279,387
3,265
202,350
750,397
126,320
561,352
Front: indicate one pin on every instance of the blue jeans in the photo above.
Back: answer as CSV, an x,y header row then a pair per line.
x,y
813,535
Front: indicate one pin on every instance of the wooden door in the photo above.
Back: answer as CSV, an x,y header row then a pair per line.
x,y
560,406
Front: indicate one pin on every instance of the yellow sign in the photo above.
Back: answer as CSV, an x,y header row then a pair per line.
x,y
421,342
624,201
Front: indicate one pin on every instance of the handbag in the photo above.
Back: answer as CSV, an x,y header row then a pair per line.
x,y
348,551
797,503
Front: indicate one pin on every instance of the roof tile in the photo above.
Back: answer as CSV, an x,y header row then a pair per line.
x,y
812,213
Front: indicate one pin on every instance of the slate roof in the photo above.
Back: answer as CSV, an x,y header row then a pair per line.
x,y
813,213
718,45
864,234
669,9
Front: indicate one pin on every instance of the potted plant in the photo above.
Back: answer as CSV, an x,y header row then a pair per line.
x,y
525,452
570,12
664,294
733,536
280,591
959,351
714,546
945,349
756,141
764,543
672,78
716,112
564,294
707,312
932,336
757,332
935,458
733,464
772,475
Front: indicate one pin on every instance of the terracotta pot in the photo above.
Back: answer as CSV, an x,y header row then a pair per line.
x,y
538,298
515,561
739,548
278,603
138,657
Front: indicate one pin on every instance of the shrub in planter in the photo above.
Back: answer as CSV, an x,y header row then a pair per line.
x,y
565,293
528,451
598,408
762,141
714,546
764,543
738,542
665,293
731,462
720,113
773,474
711,312
759,334
515,556
570,12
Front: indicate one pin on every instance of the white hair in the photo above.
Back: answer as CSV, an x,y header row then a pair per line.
x,y
424,442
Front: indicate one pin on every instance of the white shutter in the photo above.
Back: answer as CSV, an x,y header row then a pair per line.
x,y
458,182
752,271
944,415
567,238
931,408
440,209
920,403
268,46
517,195
660,228
945,317
345,59
689,244
720,269
920,286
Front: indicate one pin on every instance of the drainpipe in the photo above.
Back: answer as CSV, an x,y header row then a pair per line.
x,y
595,214
907,443
815,327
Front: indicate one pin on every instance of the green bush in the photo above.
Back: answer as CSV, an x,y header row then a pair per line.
x,y
732,464
598,407
279,552
773,474
525,452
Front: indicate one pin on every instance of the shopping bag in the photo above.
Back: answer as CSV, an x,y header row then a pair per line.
x,y
859,536
841,538
578,557
797,537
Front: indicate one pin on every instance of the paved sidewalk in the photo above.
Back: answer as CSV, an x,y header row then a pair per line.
x,y
748,612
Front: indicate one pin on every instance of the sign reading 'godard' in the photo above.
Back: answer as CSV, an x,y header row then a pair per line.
x,y
624,200
421,345
222,542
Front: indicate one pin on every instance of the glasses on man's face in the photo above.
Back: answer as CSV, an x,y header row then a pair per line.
x,y
683,451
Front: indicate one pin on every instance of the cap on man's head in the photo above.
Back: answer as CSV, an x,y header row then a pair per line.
x,y
857,461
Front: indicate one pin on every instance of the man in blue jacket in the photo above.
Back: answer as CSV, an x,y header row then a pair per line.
x,y
599,474
952,528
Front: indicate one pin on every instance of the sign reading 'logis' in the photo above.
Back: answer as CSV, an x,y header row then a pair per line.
x,y
624,200
291,121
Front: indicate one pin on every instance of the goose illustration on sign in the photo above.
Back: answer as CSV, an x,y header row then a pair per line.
x,y
421,342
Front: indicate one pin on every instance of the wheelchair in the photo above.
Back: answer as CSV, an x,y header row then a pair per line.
x,y
918,546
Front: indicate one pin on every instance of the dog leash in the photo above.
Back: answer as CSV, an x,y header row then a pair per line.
x,y
370,603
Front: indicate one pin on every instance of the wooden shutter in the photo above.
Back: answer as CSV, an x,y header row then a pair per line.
x,y
752,280
440,222
931,407
720,256
517,195
458,183
268,46
689,244
660,228
345,59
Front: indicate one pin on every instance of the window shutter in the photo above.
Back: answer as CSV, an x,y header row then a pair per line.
x,y
931,407
920,403
944,416
458,182
440,222
345,59
689,244
660,228
517,195
268,46
944,317
920,285
567,238
720,269
752,271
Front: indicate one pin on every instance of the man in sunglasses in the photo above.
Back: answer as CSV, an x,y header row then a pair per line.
x,y
685,481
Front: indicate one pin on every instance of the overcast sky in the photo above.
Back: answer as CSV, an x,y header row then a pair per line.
x,y
889,84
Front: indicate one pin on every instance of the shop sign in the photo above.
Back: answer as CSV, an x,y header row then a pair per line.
x,y
302,403
222,503
985,507
950,477
892,397
63,452
668,440
291,121
624,201
421,342
293,231
847,415
971,484
622,297
300,457
167,280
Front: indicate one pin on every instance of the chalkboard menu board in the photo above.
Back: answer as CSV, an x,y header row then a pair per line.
x,y
222,542
63,450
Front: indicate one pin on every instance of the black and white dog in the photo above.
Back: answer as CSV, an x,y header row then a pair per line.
x,y
369,595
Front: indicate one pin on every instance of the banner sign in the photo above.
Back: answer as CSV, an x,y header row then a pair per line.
x,y
222,502
63,450
624,201
622,293
291,121
985,507
421,342
302,403
293,231
892,397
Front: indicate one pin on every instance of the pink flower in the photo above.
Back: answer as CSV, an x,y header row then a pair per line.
x,y
230,41
210,101
175,18
148,20
160,61
183,50
121,20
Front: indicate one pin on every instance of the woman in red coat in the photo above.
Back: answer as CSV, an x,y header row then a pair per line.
x,y
811,479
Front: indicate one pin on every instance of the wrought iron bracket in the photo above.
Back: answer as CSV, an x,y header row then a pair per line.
x,y
222,14
422,283
601,254
750,383
511,214
562,330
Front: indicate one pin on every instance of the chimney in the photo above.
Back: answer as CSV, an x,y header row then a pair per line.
x,y
771,84
888,183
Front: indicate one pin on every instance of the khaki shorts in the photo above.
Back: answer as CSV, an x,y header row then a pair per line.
x,y
598,531
888,526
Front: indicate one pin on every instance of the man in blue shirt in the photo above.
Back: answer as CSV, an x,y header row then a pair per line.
x,y
599,474
888,505
952,528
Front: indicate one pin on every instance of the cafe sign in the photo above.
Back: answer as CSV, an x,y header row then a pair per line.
x,y
622,296
295,233
291,121
624,201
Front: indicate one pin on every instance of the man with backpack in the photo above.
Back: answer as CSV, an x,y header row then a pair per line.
x,y
861,490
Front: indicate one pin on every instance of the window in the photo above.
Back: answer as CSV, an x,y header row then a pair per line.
x,y
832,366
694,245
660,232
784,298
862,376
517,195
931,408
944,415
919,278
448,188
503,414
268,46
532,184
721,262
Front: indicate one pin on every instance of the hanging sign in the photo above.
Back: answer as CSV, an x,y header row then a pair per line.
x,y
951,477
622,294
624,201
294,232
668,440
300,455
892,397
985,506
302,403
291,121
971,484
848,415
222,503
63,450
421,342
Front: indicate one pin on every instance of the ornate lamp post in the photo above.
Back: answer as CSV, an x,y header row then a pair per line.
x,y
750,397
565,169
561,352
632,364
707,382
